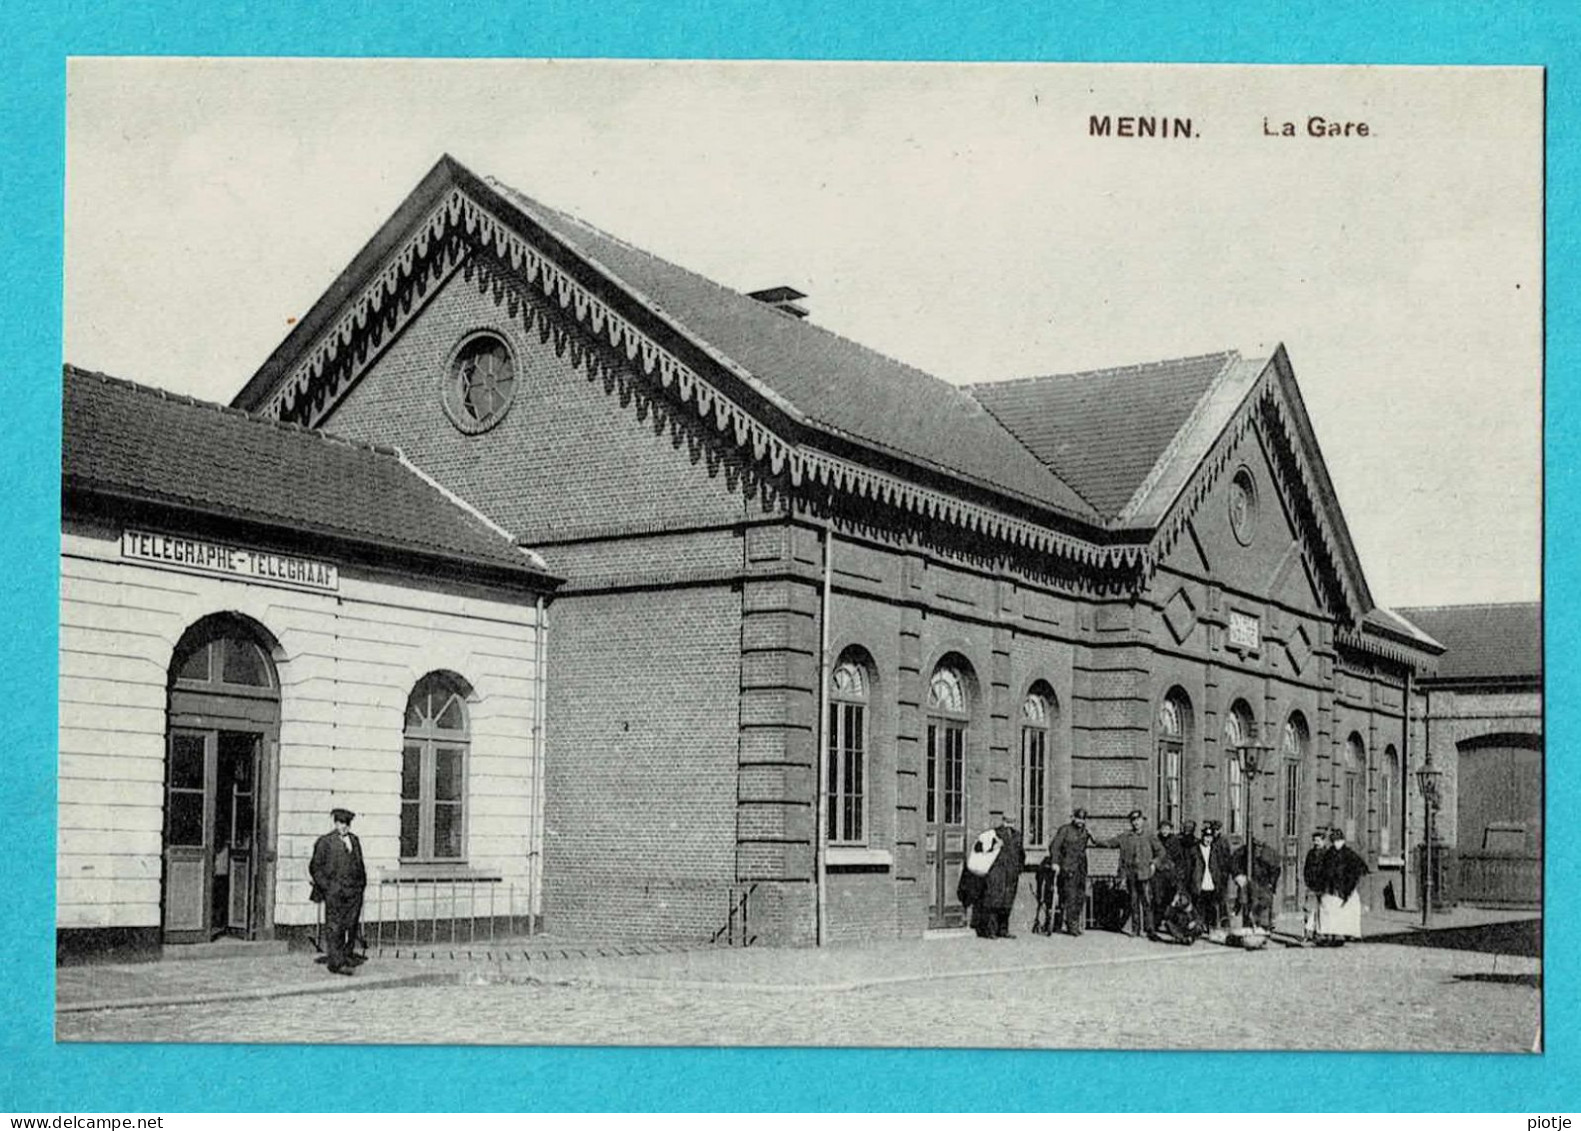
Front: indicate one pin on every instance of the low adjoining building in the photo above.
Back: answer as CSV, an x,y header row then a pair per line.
x,y
1482,715
260,622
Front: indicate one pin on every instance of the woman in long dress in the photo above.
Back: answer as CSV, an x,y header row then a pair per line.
x,y
1339,907
974,883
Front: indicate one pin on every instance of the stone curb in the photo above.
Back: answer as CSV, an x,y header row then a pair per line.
x,y
504,958
338,986
849,985
493,971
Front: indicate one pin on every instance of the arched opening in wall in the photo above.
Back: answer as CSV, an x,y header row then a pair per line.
x,y
222,733
1239,729
1499,793
1039,718
1498,806
436,741
850,693
1388,802
951,688
1294,745
1352,767
1173,737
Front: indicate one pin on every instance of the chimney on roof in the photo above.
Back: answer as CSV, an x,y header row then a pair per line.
x,y
782,299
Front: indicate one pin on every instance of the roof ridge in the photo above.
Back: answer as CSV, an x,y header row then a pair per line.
x,y
959,396
1466,605
1077,491
154,391
472,511
1171,450
1135,367
716,284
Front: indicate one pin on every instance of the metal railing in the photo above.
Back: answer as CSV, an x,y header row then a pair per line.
x,y
736,930
418,910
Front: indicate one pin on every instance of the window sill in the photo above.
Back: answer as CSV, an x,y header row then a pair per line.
x,y
1391,861
438,873
857,858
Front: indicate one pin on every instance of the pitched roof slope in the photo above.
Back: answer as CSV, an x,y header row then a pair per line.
x,y
1484,641
131,440
832,381
1104,431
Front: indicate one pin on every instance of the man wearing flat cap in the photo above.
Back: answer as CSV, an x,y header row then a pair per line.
x,y
1140,855
338,881
1068,851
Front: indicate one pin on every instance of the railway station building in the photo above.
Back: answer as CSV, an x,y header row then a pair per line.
x,y
753,628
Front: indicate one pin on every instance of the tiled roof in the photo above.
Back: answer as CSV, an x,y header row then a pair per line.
x,y
1103,431
1484,641
142,443
828,380
1391,622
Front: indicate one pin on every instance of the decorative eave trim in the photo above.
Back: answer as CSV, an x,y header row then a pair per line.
x,y
809,465
1361,640
442,241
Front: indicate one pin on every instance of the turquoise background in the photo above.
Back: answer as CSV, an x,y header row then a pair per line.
x,y
37,1075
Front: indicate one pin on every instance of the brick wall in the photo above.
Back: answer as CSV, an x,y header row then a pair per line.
x,y
587,445
640,821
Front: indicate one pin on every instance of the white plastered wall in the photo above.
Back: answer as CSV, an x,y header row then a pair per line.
x,y
347,662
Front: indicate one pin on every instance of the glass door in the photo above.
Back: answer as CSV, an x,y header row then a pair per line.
x,y
944,806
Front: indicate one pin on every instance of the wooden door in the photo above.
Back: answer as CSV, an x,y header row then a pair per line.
x,y
189,821
944,815
236,831
1290,839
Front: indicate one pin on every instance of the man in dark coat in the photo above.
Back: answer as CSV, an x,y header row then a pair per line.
x,y
1211,872
1068,850
1140,854
339,878
1312,878
1167,880
1003,880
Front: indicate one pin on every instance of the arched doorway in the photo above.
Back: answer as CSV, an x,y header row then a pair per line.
x,y
1293,813
221,734
944,788
1499,819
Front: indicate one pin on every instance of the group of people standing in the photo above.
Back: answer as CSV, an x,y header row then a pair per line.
x,y
1332,873
1177,886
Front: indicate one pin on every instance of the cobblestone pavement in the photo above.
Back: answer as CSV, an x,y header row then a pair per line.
x,y
1114,993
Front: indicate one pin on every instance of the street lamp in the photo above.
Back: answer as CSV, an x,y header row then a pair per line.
x,y
1427,779
1254,761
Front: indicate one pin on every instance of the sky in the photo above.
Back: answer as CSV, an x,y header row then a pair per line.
x,y
961,218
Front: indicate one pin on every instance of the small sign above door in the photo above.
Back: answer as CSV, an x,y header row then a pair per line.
x,y
195,555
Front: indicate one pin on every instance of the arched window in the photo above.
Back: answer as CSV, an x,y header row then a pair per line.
x,y
220,655
1174,720
1293,746
1237,733
847,807
1035,714
1388,778
434,770
945,795
1350,799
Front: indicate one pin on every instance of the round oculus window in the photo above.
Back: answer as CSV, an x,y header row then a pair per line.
x,y
481,383
1243,506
